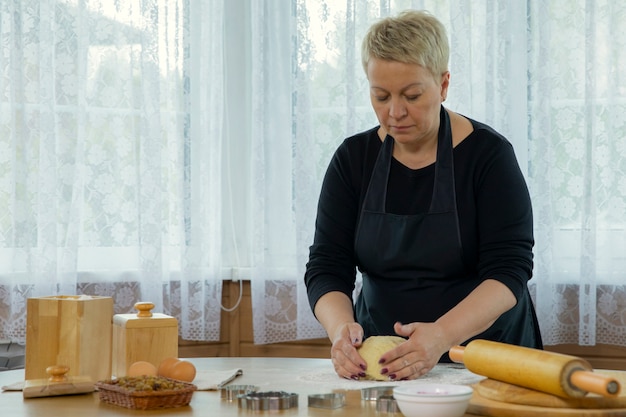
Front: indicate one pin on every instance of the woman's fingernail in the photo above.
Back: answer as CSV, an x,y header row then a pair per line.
x,y
384,371
363,366
381,361
354,377
362,374
392,376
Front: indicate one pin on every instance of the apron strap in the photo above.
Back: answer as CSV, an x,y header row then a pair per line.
x,y
444,196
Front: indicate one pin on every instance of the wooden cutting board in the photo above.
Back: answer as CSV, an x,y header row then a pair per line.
x,y
494,398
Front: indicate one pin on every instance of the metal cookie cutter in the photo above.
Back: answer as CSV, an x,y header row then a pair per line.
x,y
331,401
387,404
231,392
373,393
269,400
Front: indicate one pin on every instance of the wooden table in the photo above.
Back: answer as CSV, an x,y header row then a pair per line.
x,y
269,374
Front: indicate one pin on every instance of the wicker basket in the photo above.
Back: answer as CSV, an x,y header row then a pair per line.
x,y
111,393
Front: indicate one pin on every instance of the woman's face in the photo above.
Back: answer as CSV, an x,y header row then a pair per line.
x,y
407,100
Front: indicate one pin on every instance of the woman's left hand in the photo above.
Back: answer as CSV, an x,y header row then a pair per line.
x,y
429,341
418,355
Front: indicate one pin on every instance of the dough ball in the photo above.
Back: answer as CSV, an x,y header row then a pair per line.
x,y
372,349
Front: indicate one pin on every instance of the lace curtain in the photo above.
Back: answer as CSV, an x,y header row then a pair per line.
x,y
152,148
108,184
577,169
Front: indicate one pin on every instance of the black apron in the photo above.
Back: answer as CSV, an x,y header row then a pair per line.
x,y
412,265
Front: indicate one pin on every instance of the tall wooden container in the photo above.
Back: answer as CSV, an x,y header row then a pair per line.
x,y
144,336
70,330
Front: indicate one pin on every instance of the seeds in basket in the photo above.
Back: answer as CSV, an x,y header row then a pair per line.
x,y
145,392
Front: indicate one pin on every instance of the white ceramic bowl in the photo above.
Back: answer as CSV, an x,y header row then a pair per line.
x,y
433,400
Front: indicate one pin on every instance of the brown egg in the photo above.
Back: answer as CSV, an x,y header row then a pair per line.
x,y
166,365
140,368
183,371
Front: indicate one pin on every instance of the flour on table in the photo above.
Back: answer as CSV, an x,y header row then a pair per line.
x,y
440,374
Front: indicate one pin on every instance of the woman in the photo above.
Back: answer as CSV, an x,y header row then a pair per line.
x,y
432,208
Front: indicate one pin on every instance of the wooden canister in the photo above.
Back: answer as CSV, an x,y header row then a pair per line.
x,y
144,336
68,330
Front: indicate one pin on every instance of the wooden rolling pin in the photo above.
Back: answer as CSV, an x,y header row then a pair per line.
x,y
554,373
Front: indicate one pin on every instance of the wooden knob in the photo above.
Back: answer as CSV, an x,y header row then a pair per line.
x,y
57,373
596,383
144,308
456,354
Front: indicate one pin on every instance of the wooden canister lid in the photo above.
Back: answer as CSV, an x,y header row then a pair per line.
x,y
144,318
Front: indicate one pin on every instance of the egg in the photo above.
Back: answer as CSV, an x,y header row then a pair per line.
x,y
140,368
183,371
165,367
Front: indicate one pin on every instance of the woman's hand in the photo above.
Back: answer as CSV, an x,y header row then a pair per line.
x,y
346,360
429,341
335,311
418,355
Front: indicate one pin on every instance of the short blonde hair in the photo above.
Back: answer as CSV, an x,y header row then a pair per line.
x,y
412,37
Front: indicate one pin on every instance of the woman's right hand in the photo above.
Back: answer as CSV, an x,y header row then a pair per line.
x,y
343,352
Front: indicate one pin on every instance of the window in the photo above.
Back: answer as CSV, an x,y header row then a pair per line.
x,y
149,150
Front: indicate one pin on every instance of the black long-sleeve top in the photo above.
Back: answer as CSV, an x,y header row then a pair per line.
x,y
493,204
